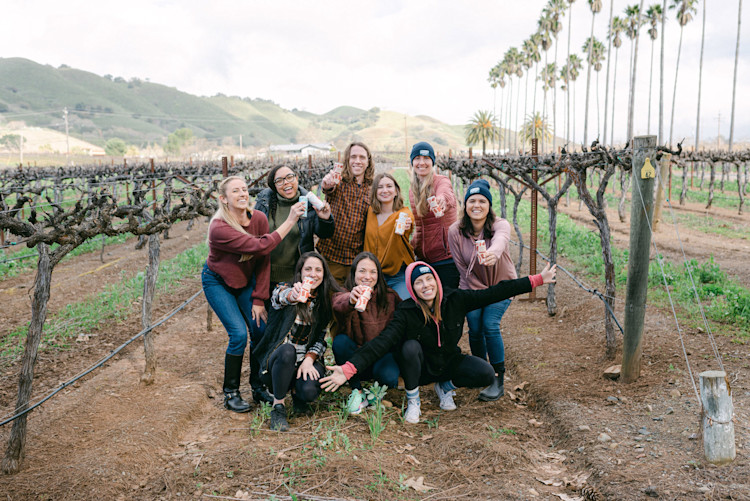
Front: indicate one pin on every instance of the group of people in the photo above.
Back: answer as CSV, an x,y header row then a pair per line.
x,y
392,285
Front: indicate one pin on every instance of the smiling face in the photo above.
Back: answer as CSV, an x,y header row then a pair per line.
x,y
358,162
477,208
286,182
366,273
425,287
313,268
386,191
422,166
235,195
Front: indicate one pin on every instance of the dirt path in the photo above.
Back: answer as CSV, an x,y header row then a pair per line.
x,y
109,437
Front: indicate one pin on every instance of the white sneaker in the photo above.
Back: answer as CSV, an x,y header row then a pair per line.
x,y
413,411
446,398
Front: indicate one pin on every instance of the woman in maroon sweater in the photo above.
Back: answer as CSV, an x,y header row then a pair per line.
x,y
358,327
236,276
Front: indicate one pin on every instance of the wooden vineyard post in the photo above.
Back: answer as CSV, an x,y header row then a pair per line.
x,y
224,167
209,318
643,174
149,287
534,204
663,169
718,411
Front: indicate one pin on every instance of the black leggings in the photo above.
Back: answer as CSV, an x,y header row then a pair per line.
x,y
469,372
283,372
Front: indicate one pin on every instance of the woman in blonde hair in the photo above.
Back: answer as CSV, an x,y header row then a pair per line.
x,y
434,205
236,275
389,225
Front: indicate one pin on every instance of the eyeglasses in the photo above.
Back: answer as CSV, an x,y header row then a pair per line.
x,y
279,181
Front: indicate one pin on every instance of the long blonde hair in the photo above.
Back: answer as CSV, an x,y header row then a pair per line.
x,y
223,212
422,191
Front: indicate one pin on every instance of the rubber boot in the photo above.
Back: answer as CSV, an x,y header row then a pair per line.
x,y
260,394
496,389
232,372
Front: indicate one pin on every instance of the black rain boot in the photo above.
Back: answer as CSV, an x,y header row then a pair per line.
x,y
300,407
232,372
496,389
278,418
260,394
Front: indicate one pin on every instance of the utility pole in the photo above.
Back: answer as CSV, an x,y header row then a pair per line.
x,y
67,137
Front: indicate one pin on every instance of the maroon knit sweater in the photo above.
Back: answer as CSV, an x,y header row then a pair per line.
x,y
226,246
364,326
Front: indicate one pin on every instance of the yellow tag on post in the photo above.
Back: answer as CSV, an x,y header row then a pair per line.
x,y
647,171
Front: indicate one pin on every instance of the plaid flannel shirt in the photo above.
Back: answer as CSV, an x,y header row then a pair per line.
x,y
349,202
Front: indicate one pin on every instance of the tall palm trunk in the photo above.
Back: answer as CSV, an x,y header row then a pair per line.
x,y
554,105
660,138
515,140
525,101
700,81
588,83
533,103
674,92
606,87
567,91
632,81
650,83
614,95
734,84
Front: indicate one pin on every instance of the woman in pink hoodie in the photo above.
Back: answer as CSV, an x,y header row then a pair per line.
x,y
481,269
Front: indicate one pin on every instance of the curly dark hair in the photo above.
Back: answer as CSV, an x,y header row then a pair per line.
x,y
270,178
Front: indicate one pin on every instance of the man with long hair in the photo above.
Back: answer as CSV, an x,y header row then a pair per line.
x,y
349,200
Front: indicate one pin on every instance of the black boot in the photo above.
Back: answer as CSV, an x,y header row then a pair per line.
x,y
278,418
260,394
232,372
496,389
300,407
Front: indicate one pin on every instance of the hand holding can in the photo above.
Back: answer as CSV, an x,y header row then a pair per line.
x,y
338,169
304,293
364,298
435,206
303,200
481,248
313,200
403,218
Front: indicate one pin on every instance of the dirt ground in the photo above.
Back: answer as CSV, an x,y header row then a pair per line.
x,y
561,422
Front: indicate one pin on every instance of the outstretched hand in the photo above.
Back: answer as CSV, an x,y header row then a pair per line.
x,y
549,274
335,380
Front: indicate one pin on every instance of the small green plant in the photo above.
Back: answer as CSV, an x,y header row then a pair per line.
x,y
374,419
262,414
230,474
499,432
433,423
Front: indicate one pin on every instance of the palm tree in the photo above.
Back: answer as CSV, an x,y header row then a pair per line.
x,y
535,126
596,6
569,75
685,10
660,137
632,30
595,58
555,9
532,57
734,89
609,58
653,16
497,78
545,32
568,69
549,80
700,78
481,128
517,61
615,35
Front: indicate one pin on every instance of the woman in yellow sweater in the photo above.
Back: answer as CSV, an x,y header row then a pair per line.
x,y
387,232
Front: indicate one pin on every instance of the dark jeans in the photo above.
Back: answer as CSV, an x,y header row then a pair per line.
x,y
234,309
447,272
282,373
384,371
484,331
469,372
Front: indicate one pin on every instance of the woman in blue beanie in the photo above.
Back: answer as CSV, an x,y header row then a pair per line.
x,y
479,270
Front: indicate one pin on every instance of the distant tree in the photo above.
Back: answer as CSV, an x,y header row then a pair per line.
x,y
11,142
178,139
108,77
481,128
537,126
115,147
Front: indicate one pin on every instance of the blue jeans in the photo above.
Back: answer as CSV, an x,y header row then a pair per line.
x,y
484,331
234,309
384,371
397,282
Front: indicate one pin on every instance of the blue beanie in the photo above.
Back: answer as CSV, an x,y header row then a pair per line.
x,y
479,187
422,149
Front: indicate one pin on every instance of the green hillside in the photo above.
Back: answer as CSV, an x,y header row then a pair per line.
x,y
142,113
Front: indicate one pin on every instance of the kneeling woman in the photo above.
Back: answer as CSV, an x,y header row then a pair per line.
x,y
358,326
429,326
293,345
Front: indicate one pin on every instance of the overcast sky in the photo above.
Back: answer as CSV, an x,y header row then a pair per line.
x,y
416,56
